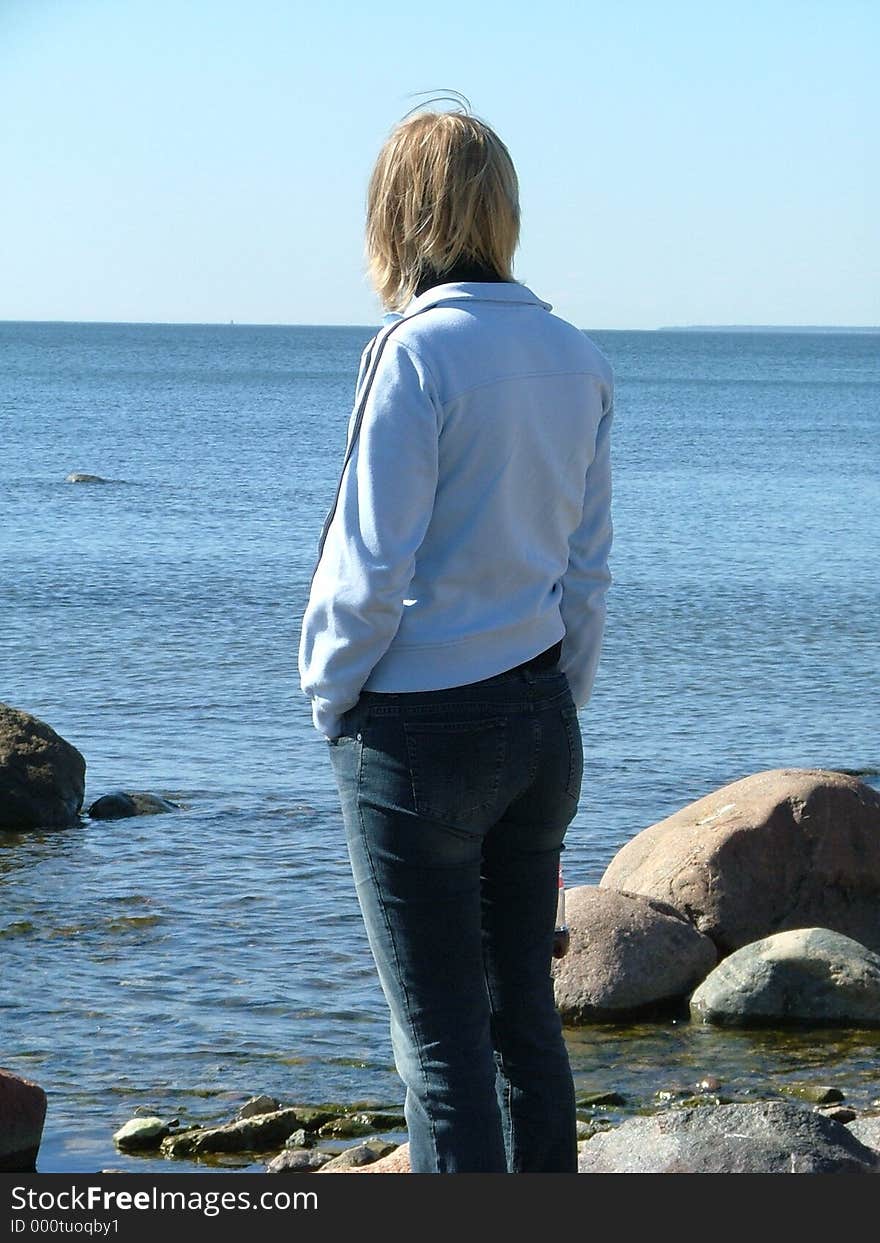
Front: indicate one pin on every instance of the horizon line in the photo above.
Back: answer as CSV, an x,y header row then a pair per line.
x,y
222,323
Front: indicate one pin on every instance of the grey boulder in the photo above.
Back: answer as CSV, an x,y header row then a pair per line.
x,y
808,975
628,955
771,1137
42,777
788,848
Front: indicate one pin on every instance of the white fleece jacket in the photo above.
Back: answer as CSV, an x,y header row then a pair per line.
x,y
473,522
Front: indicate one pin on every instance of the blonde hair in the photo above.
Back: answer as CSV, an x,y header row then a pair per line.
x,y
443,188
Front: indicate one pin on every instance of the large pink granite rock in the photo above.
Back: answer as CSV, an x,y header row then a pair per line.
x,y
628,955
788,848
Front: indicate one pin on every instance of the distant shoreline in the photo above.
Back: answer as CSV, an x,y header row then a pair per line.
x,y
788,328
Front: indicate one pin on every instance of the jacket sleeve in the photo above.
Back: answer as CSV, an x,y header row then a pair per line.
x,y
587,577
368,560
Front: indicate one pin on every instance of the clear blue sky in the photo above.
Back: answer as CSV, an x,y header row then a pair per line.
x,y
206,160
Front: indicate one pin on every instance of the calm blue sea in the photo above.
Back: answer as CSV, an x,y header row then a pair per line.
x,y
181,963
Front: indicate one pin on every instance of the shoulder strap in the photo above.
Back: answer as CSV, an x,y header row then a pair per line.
x,y
376,347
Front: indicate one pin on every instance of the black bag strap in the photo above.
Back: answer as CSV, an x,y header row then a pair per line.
x,y
376,348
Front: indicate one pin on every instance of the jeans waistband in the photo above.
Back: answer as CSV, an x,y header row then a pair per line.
x,y
534,682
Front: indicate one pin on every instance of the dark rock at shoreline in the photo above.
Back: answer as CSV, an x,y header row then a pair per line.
x,y
772,1137
122,804
807,975
628,955
837,1113
784,849
42,777
22,1114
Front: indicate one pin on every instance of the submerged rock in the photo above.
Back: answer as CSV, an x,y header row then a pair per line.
x,y
42,777
78,476
22,1113
784,849
808,975
628,955
122,804
772,1137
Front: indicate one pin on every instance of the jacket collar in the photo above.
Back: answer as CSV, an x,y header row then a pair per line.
x,y
474,291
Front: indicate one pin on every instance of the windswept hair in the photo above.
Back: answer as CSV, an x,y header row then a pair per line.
x,y
443,189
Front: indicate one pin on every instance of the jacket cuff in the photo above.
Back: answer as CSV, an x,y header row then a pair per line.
x,y
326,719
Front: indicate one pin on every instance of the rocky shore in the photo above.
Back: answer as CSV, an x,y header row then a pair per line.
x,y
756,907
811,1132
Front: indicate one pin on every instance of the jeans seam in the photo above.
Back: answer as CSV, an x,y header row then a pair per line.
x,y
414,1035
507,1124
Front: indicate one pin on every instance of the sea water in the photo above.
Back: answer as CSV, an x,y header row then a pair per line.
x,y
179,963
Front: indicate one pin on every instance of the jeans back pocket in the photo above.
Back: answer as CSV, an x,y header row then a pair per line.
x,y
455,767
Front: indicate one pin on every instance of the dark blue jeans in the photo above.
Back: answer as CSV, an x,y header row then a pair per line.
x,y
455,805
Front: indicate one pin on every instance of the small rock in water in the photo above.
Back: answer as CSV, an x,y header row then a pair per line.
x,y
141,1134
77,476
346,1128
837,1113
122,804
602,1098
314,1118
819,1094
298,1161
258,1105
361,1154
708,1083
300,1139
397,1162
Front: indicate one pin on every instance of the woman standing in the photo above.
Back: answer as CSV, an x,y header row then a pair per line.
x,y
452,630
